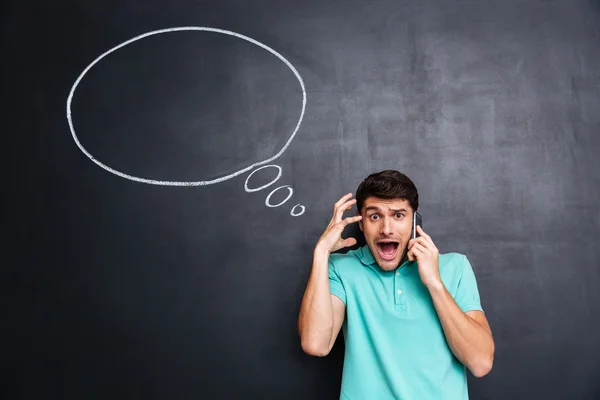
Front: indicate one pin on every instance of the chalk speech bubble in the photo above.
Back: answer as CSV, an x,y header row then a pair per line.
x,y
185,183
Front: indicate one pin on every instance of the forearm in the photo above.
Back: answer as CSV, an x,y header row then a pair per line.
x,y
470,341
315,321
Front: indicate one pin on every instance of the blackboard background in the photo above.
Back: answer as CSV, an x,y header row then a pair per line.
x,y
120,289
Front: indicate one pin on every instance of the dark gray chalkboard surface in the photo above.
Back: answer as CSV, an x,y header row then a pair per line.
x,y
168,276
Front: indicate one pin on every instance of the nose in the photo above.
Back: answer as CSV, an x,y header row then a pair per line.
x,y
386,226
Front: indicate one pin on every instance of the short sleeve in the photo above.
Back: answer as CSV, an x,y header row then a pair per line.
x,y
336,286
467,293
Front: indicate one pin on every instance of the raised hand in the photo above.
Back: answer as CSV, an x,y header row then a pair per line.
x,y
331,240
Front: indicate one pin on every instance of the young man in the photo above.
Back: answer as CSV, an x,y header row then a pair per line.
x,y
411,317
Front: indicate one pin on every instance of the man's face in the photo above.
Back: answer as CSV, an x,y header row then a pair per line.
x,y
387,225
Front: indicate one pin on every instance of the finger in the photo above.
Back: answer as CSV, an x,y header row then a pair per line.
x,y
349,242
351,220
343,208
411,242
421,240
423,234
420,248
427,244
343,200
337,215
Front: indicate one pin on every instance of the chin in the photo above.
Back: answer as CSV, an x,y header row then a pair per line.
x,y
388,265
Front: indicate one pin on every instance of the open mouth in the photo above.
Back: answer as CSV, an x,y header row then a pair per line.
x,y
387,250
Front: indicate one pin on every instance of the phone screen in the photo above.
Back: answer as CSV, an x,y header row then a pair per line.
x,y
417,220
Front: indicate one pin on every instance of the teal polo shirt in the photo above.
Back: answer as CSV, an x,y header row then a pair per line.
x,y
395,347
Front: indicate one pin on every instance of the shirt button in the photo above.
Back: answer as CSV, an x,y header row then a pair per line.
x,y
399,292
397,272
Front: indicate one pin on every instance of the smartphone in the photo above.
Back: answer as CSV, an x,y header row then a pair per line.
x,y
417,220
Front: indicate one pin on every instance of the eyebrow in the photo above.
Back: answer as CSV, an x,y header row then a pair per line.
x,y
373,208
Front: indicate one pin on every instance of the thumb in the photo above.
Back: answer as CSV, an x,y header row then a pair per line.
x,y
349,242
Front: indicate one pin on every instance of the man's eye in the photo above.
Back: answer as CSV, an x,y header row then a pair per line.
x,y
399,215
374,216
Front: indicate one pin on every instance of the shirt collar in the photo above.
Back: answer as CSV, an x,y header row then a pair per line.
x,y
365,255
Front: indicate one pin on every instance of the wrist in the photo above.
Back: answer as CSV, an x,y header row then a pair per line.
x,y
320,260
435,286
321,250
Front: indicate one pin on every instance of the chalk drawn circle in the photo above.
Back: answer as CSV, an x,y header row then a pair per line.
x,y
293,214
268,200
263,186
186,183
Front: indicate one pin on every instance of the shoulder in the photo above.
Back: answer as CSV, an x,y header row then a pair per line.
x,y
453,264
346,263
452,258
352,257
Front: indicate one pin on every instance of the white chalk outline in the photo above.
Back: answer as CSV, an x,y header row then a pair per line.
x,y
263,186
291,192
298,214
267,202
185,183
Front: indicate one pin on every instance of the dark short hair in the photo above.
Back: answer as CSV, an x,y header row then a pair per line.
x,y
388,184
